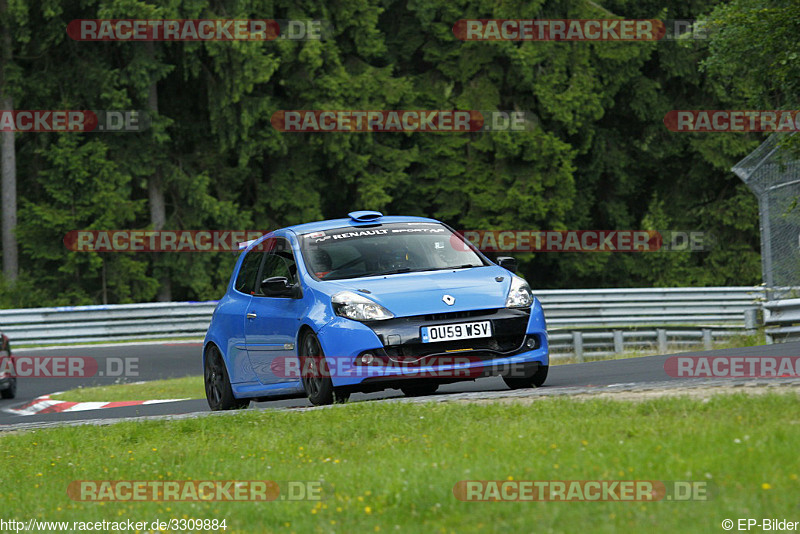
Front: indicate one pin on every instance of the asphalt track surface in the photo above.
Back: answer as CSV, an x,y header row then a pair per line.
x,y
173,360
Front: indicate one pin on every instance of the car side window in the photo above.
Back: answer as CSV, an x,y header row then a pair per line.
x,y
279,262
248,274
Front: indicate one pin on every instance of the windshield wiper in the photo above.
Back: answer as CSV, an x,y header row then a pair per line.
x,y
465,266
393,271
410,270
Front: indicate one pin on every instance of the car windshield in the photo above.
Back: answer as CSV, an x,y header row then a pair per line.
x,y
384,249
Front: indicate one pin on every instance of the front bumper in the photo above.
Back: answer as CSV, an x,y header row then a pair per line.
x,y
518,347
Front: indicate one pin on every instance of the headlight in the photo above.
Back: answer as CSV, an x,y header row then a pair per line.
x,y
359,308
519,296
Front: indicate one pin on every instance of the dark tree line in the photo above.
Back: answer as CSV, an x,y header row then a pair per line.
x,y
600,157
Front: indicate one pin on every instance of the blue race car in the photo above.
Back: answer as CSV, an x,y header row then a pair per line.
x,y
368,303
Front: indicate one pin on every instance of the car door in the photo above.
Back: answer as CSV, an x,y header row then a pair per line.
x,y
229,317
271,322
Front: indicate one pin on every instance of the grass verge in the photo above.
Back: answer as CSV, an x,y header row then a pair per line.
x,y
392,466
190,387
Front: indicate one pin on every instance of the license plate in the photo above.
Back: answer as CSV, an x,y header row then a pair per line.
x,y
450,332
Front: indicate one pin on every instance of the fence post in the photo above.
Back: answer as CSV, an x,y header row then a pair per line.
x,y
708,341
618,342
662,340
577,343
751,320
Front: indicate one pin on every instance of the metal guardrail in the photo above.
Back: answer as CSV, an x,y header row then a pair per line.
x,y
581,323
782,320
118,322
648,306
600,322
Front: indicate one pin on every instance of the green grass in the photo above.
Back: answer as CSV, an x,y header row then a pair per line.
x,y
392,466
743,340
190,387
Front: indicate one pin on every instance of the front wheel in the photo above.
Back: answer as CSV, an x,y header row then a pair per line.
x,y
315,374
536,380
218,385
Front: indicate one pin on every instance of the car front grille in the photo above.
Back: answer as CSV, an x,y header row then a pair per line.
x,y
402,341
482,348
454,315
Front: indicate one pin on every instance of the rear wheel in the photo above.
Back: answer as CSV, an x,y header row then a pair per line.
x,y
11,391
316,375
534,381
419,390
218,385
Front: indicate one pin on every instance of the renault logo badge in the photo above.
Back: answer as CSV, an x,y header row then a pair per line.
x,y
449,300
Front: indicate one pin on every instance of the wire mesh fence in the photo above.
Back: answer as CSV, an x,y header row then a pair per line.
x,y
772,172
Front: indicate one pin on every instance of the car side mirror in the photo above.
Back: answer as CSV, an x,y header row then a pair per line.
x,y
277,286
507,262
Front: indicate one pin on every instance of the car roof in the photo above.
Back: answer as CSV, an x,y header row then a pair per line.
x,y
321,226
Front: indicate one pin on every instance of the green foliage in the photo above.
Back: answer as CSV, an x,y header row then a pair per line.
x,y
393,466
754,51
599,157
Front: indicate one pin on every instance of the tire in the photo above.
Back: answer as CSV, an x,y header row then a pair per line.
x,y
316,377
11,391
218,385
420,390
536,380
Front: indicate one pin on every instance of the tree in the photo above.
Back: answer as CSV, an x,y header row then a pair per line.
x,y
8,158
599,156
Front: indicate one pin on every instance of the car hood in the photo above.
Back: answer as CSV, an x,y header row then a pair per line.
x,y
408,294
